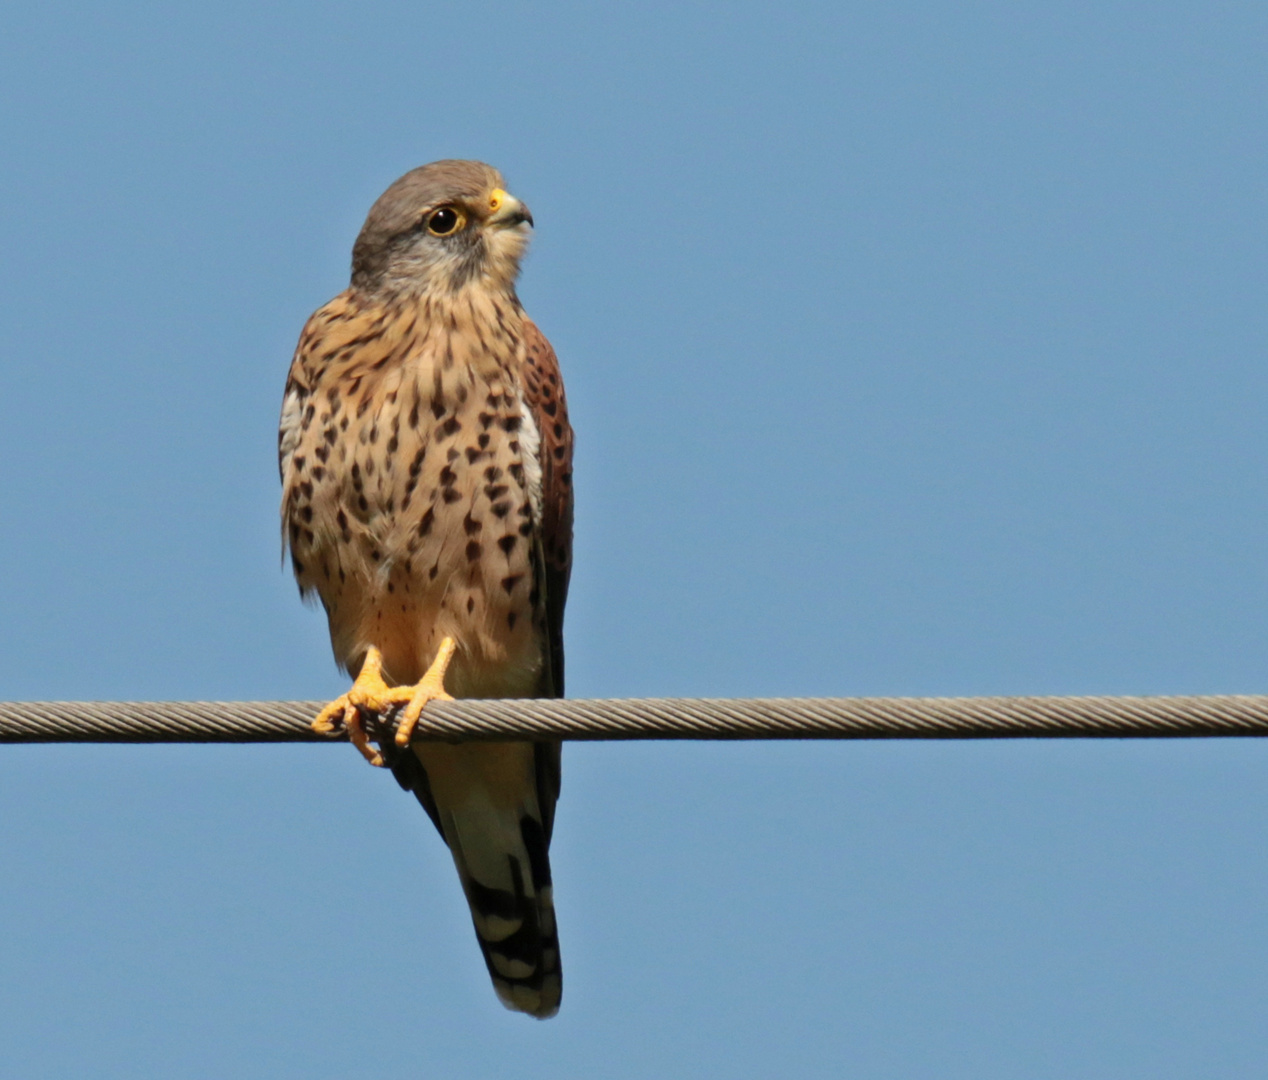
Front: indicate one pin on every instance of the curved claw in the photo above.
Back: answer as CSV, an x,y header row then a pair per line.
x,y
359,739
334,717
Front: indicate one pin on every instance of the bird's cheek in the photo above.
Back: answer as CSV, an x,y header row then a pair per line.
x,y
507,245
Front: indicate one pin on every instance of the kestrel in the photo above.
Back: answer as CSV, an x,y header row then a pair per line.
x,y
426,462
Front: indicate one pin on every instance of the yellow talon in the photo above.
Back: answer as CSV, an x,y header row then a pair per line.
x,y
371,693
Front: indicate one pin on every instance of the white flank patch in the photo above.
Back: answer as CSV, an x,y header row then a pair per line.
x,y
289,429
531,444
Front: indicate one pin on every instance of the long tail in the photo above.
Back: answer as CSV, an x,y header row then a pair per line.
x,y
505,873
499,844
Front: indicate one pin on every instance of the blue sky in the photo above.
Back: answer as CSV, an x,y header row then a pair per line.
x,y
912,349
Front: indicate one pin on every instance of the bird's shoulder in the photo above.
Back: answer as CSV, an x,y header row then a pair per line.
x,y
351,332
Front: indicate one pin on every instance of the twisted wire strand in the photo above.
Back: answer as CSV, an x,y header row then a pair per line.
x,y
655,718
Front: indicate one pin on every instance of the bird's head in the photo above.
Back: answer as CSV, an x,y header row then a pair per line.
x,y
440,228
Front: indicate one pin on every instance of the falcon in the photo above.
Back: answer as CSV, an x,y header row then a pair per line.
x,y
426,462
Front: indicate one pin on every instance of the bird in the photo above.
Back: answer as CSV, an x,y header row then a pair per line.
x,y
426,462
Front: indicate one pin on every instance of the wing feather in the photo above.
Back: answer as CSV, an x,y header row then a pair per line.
x,y
543,390
544,394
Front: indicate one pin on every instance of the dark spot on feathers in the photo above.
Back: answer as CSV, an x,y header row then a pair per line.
x,y
470,525
508,583
473,550
507,543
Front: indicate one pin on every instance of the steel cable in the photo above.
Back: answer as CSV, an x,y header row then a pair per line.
x,y
656,718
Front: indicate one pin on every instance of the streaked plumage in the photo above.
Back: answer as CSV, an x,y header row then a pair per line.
x,y
426,463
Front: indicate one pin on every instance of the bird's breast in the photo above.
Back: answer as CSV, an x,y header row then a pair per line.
x,y
415,508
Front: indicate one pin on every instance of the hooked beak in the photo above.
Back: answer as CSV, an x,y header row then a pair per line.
x,y
507,210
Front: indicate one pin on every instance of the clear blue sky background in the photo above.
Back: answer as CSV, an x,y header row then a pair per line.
x,y
913,348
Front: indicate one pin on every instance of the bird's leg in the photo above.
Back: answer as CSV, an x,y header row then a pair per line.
x,y
431,687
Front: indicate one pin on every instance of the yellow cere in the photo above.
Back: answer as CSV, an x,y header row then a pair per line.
x,y
496,199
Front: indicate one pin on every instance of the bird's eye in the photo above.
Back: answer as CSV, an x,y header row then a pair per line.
x,y
445,222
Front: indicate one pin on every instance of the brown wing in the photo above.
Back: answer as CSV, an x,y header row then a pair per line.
x,y
544,395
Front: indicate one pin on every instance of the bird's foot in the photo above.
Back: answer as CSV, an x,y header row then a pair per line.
x,y
369,693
